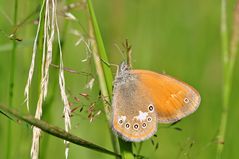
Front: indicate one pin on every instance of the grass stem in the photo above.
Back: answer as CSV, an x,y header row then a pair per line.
x,y
55,131
11,84
105,77
228,60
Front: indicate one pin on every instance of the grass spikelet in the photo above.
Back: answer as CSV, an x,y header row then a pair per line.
x,y
67,110
50,24
34,51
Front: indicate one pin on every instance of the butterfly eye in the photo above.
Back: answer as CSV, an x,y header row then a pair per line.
x,y
151,108
136,126
144,125
127,125
149,119
186,100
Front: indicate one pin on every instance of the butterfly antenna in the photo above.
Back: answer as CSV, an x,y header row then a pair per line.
x,y
128,49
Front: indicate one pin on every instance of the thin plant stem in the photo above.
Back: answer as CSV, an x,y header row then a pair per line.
x,y
126,150
228,60
140,148
55,131
101,48
11,84
225,91
24,21
105,77
100,71
102,85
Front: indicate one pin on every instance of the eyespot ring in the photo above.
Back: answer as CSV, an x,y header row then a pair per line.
x,y
136,126
186,100
151,107
127,125
149,119
144,125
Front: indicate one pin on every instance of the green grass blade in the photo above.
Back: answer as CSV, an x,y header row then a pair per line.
x,y
101,49
105,77
12,77
55,131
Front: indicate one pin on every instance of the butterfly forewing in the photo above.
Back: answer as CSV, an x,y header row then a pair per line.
x,y
173,99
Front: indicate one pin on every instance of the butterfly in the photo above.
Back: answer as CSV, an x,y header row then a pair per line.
x,y
142,99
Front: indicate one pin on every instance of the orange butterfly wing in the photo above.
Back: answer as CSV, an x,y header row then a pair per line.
x,y
173,99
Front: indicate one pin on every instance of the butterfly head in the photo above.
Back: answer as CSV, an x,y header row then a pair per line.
x,y
123,67
123,74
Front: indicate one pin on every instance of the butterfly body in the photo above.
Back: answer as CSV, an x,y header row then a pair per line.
x,y
143,98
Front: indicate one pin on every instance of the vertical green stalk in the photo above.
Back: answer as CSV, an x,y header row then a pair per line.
x,y
105,76
102,83
101,49
226,87
228,59
126,149
11,79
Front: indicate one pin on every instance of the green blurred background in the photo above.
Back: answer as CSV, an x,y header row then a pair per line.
x,y
181,38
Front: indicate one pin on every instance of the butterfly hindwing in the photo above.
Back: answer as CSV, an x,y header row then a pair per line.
x,y
134,116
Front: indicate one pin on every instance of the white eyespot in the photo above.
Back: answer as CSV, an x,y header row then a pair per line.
x,y
186,100
127,125
144,125
120,121
149,119
136,126
151,107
